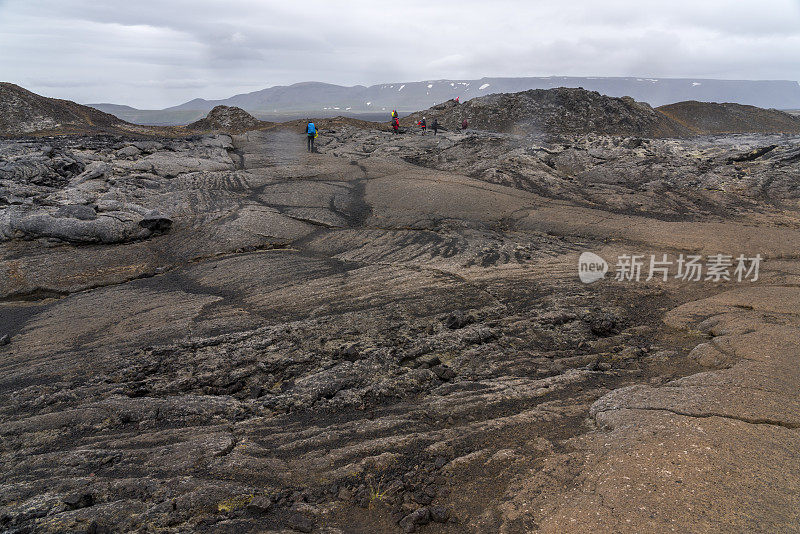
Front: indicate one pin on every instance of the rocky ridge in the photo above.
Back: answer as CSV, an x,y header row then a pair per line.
x,y
714,118
23,112
554,111
565,111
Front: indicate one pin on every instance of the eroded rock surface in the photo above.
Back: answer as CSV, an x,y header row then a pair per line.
x,y
227,334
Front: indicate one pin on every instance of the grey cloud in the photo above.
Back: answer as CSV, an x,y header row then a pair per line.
x,y
173,51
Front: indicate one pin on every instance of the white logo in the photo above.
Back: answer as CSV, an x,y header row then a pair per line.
x,y
591,267
634,267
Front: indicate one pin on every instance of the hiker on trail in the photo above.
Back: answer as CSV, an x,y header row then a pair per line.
x,y
435,125
422,125
457,100
394,114
464,124
396,125
311,134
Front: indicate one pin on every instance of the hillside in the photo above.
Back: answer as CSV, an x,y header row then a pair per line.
x,y
554,111
714,118
24,112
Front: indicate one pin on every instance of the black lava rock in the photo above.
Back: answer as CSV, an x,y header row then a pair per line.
x,y
603,325
422,497
457,320
415,519
79,500
95,528
444,372
439,514
300,523
260,505
157,225
349,353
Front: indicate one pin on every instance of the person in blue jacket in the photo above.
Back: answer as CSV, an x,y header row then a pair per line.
x,y
311,133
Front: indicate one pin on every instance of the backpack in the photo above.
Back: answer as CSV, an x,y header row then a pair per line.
x,y
312,129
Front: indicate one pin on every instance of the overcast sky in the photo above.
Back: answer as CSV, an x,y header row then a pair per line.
x,y
152,54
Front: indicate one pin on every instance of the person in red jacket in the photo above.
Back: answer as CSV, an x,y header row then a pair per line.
x,y
422,124
396,125
464,124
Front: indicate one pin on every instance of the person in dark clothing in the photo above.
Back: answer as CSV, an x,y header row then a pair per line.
x,y
311,134
396,125
464,124
435,125
423,125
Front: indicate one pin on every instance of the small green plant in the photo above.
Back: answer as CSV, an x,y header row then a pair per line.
x,y
234,503
377,492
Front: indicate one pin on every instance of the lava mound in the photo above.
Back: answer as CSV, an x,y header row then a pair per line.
x,y
714,118
561,111
228,119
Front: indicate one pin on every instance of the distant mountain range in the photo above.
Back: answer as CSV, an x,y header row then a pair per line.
x,y
560,111
326,100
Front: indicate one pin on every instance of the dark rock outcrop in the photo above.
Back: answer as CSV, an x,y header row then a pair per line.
x,y
228,119
560,111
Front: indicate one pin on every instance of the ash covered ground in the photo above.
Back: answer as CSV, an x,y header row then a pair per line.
x,y
225,333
